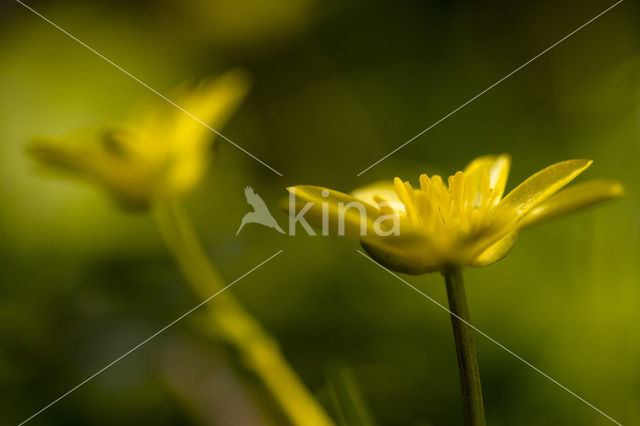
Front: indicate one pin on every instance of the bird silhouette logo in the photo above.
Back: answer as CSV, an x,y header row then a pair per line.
x,y
260,213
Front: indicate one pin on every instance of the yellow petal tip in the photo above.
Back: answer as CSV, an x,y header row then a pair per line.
x,y
582,163
617,189
586,161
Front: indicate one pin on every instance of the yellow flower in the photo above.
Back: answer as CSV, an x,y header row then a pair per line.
x,y
464,222
160,154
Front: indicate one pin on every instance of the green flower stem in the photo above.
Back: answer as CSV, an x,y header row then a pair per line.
x,y
465,349
234,326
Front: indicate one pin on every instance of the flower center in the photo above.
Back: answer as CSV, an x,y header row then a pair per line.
x,y
448,211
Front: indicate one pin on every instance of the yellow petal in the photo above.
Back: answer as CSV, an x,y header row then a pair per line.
x,y
479,163
541,186
496,251
187,140
104,158
383,189
326,207
55,154
409,252
574,198
496,167
211,101
406,254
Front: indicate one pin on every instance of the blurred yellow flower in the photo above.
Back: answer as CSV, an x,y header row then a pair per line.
x,y
157,155
466,222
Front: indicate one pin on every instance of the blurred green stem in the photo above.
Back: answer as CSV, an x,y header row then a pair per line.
x,y
465,349
351,409
235,326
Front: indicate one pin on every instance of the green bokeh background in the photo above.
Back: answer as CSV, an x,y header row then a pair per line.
x,y
336,85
